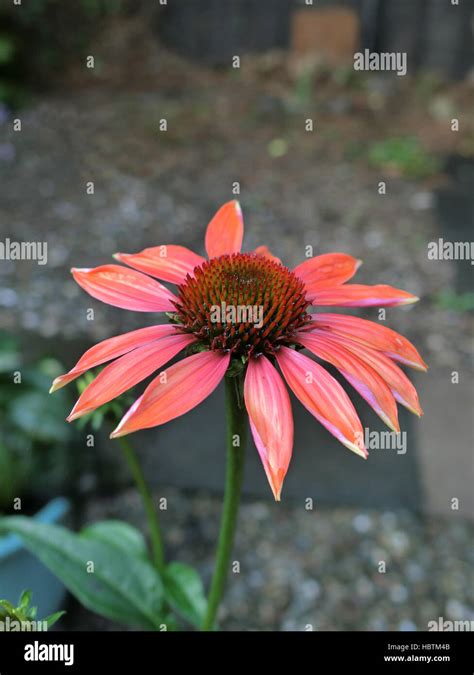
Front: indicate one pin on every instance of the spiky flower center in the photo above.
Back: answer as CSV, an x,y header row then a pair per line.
x,y
242,302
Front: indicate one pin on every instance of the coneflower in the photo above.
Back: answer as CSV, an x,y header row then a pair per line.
x,y
365,353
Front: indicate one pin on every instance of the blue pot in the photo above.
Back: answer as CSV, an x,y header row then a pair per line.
x,y
20,570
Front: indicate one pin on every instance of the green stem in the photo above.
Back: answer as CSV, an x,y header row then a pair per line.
x,y
236,428
152,516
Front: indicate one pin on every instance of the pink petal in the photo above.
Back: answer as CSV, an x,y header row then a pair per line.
x,y
266,253
357,295
372,335
271,419
370,385
225,231
324,397
174,392
326,271
401,387
112,348
127,371
125,288
170,263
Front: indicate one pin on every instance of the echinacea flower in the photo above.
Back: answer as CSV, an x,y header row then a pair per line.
x,y
365,353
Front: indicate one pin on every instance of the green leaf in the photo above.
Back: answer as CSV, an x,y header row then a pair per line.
x,y
25,611
6,609
448,299
119,534
404,154
22,612
122,587
185,592
52,618
40,416
25,600
171,623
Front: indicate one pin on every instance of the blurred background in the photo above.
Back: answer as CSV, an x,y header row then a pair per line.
x,y
183,106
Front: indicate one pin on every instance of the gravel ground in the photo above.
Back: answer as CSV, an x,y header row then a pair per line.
x,y
317,568
153,188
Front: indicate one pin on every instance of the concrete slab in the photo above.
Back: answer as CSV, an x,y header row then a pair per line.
x,y
190,452
446,445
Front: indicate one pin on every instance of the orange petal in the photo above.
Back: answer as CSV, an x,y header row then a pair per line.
x,y
111,349
168,262
271,420
326,271
125,288
357,295
372,335
370,385
225,231
265,251
401,387
175,391
127,371
324,397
